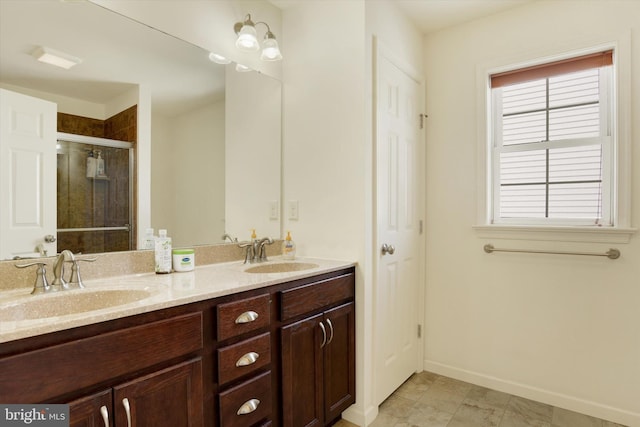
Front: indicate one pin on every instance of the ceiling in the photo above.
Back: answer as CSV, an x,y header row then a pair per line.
x,y
433,15
117,55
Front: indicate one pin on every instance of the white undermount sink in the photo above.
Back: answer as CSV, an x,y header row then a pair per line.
x,y
281,267
64,303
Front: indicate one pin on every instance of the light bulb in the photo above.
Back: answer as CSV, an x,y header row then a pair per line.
x,y
270,50
247,38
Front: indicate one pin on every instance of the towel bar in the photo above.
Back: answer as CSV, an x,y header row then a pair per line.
x,y
611,253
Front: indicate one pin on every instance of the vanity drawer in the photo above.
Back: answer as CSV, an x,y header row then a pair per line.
x,y
247,403
244,357
307,298
53,371
238,317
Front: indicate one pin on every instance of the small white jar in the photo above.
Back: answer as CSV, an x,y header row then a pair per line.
x,y
183,260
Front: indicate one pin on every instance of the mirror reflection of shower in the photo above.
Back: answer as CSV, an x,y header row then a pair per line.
x,y
94,194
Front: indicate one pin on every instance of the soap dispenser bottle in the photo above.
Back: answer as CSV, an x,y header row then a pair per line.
x,y
288,248
163,253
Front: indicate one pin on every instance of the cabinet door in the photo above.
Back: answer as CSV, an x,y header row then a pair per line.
x,y
339,360
171,397
92,411
302,373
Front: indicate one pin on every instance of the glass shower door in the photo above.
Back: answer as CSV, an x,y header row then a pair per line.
x,y
94,197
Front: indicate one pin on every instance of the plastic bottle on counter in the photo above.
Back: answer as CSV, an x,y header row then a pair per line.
x,y
163,252
183,260
288,248
149,240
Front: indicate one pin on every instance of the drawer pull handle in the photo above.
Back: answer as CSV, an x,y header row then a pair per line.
x,y
324,334
330,331
127,410
248,359
248,407
247,317
105,415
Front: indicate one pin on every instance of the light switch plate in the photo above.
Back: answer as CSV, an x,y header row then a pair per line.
x,y
274,211
293,209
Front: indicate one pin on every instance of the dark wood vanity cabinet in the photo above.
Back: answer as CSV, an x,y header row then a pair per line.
x,y
253,359
170,397
318,352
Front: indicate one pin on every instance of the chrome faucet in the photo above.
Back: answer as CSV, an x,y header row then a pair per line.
x,y
59,284
255,250
262,252
226,236
41,285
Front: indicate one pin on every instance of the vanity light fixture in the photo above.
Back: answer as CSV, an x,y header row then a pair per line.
x,y
248,39
55,57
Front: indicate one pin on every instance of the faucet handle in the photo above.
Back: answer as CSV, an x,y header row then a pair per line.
x,y
41,284
76,280
249,255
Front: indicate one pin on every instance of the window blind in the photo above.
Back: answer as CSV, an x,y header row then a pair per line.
x,y
550,69
551,141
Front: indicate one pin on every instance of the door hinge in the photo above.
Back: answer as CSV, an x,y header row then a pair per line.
x,y
419,331
422,117
420,227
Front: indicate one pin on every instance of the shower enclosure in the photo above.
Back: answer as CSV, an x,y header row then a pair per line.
x,y
94,194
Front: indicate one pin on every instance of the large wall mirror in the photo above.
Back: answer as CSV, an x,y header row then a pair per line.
x,y
207,154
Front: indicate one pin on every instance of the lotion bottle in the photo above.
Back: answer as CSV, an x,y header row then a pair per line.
x,y
163,253
288,248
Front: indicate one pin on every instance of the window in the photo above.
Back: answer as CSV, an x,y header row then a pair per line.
x,y
552,143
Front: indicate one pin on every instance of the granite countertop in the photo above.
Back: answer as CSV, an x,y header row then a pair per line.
x,y
152,292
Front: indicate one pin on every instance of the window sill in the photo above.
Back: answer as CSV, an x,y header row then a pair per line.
x,y
556,234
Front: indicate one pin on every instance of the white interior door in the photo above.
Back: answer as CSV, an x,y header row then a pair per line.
x,y
397,290
27,174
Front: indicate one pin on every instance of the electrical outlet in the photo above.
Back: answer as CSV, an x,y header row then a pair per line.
x,y
293,209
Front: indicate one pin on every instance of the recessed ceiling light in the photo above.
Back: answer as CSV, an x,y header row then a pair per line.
x,y
55,57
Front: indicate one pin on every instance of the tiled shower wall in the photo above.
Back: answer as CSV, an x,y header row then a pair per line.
x,y
84,202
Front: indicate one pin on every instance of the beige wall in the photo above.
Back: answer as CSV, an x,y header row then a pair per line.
x,y
188,168
562,330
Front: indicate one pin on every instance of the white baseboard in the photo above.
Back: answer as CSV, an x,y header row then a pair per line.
x,y
571,403
361,418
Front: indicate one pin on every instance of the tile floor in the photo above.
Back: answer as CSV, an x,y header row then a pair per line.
x,y
430,400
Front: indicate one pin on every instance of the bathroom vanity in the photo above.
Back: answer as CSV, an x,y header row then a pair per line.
x,y
275,349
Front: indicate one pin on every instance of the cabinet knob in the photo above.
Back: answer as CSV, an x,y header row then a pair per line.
x,y
248,359
248,407
247,317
